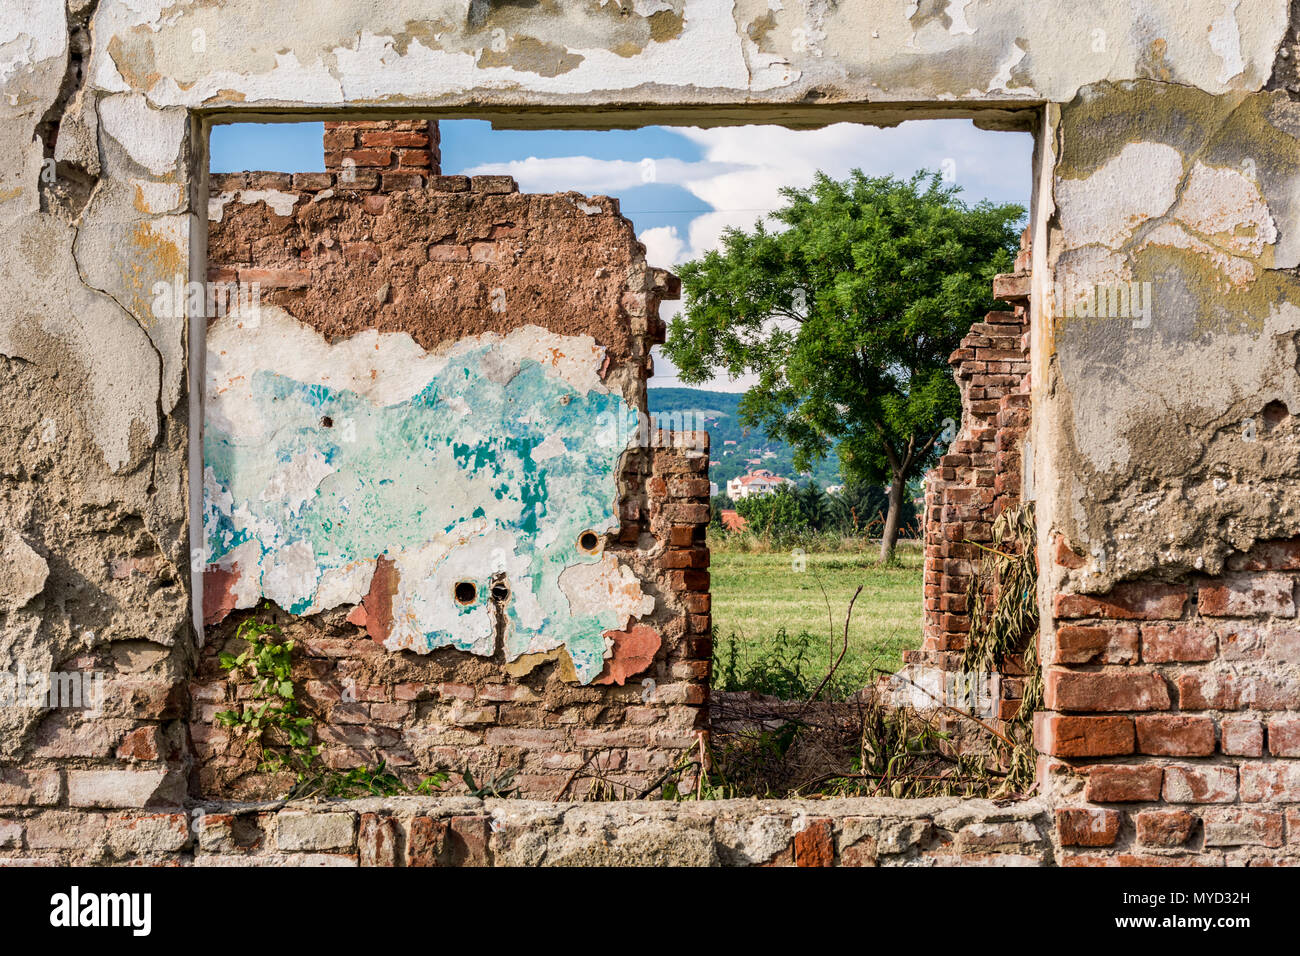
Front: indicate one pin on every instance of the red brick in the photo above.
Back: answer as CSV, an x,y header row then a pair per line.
x,y
688,580
1247,595
694,558
414,158
1088,826
1123,783
362,157
1175,735
1278,782
1241,736
1200,783
394,138
1282,644
338,138
460,841
1243,826
1284,736
446,252
1065,736
1214,690
1105,690
276,278
697,603
1116,644
1165,827
1268,556
143,743
1162,643
1066,556
813,845
377,840
1132,601
401,180
1239,641
1203,690
680,536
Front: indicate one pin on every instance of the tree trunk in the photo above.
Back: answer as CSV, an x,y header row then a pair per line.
x,y
889,537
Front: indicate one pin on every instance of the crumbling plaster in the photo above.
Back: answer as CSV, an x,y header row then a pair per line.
x,y
1168,436
1133,431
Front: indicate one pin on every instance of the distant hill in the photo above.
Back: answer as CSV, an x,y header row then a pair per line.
x,y
718,413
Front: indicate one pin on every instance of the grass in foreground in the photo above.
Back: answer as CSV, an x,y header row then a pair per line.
x,y
756,595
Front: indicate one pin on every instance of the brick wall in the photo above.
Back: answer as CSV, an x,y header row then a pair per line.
x,y
1170,735
382,154
441,258
422,832
978,478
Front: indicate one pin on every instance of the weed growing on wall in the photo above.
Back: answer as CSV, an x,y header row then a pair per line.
x,y
1003,602
272,719
271,716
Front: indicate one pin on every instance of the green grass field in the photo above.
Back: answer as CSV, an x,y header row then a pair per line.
x,y
756,593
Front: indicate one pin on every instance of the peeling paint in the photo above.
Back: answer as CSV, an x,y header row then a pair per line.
x,y
372,471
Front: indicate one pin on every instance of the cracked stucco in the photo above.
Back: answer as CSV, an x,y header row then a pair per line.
x,y
1173,441
450,51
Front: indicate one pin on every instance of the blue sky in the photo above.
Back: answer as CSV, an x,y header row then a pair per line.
x,y
680,186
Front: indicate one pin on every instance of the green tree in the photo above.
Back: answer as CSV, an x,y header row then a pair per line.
x,y
776,512
847,311
815,506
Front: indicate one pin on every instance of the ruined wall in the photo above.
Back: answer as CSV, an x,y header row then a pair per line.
x,y
427,441
979,476
1165,436
1170,733
1166,154
460,831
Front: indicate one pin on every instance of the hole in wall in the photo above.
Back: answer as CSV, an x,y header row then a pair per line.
x,y
1274,414
589,542
500,591
465,592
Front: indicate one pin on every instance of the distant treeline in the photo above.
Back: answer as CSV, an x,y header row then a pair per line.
x,y
858,510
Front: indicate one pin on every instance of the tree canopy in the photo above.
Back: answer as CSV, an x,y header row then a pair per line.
x,y
846,309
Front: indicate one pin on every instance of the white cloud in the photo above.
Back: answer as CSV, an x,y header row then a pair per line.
x,y
600,176
743,168
664,246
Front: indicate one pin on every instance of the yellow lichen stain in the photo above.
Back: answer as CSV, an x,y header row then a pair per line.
x,y
140,76
525,664
427,32
226,96
1153,64
156,259
8,194
528,55
758,31
665,25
